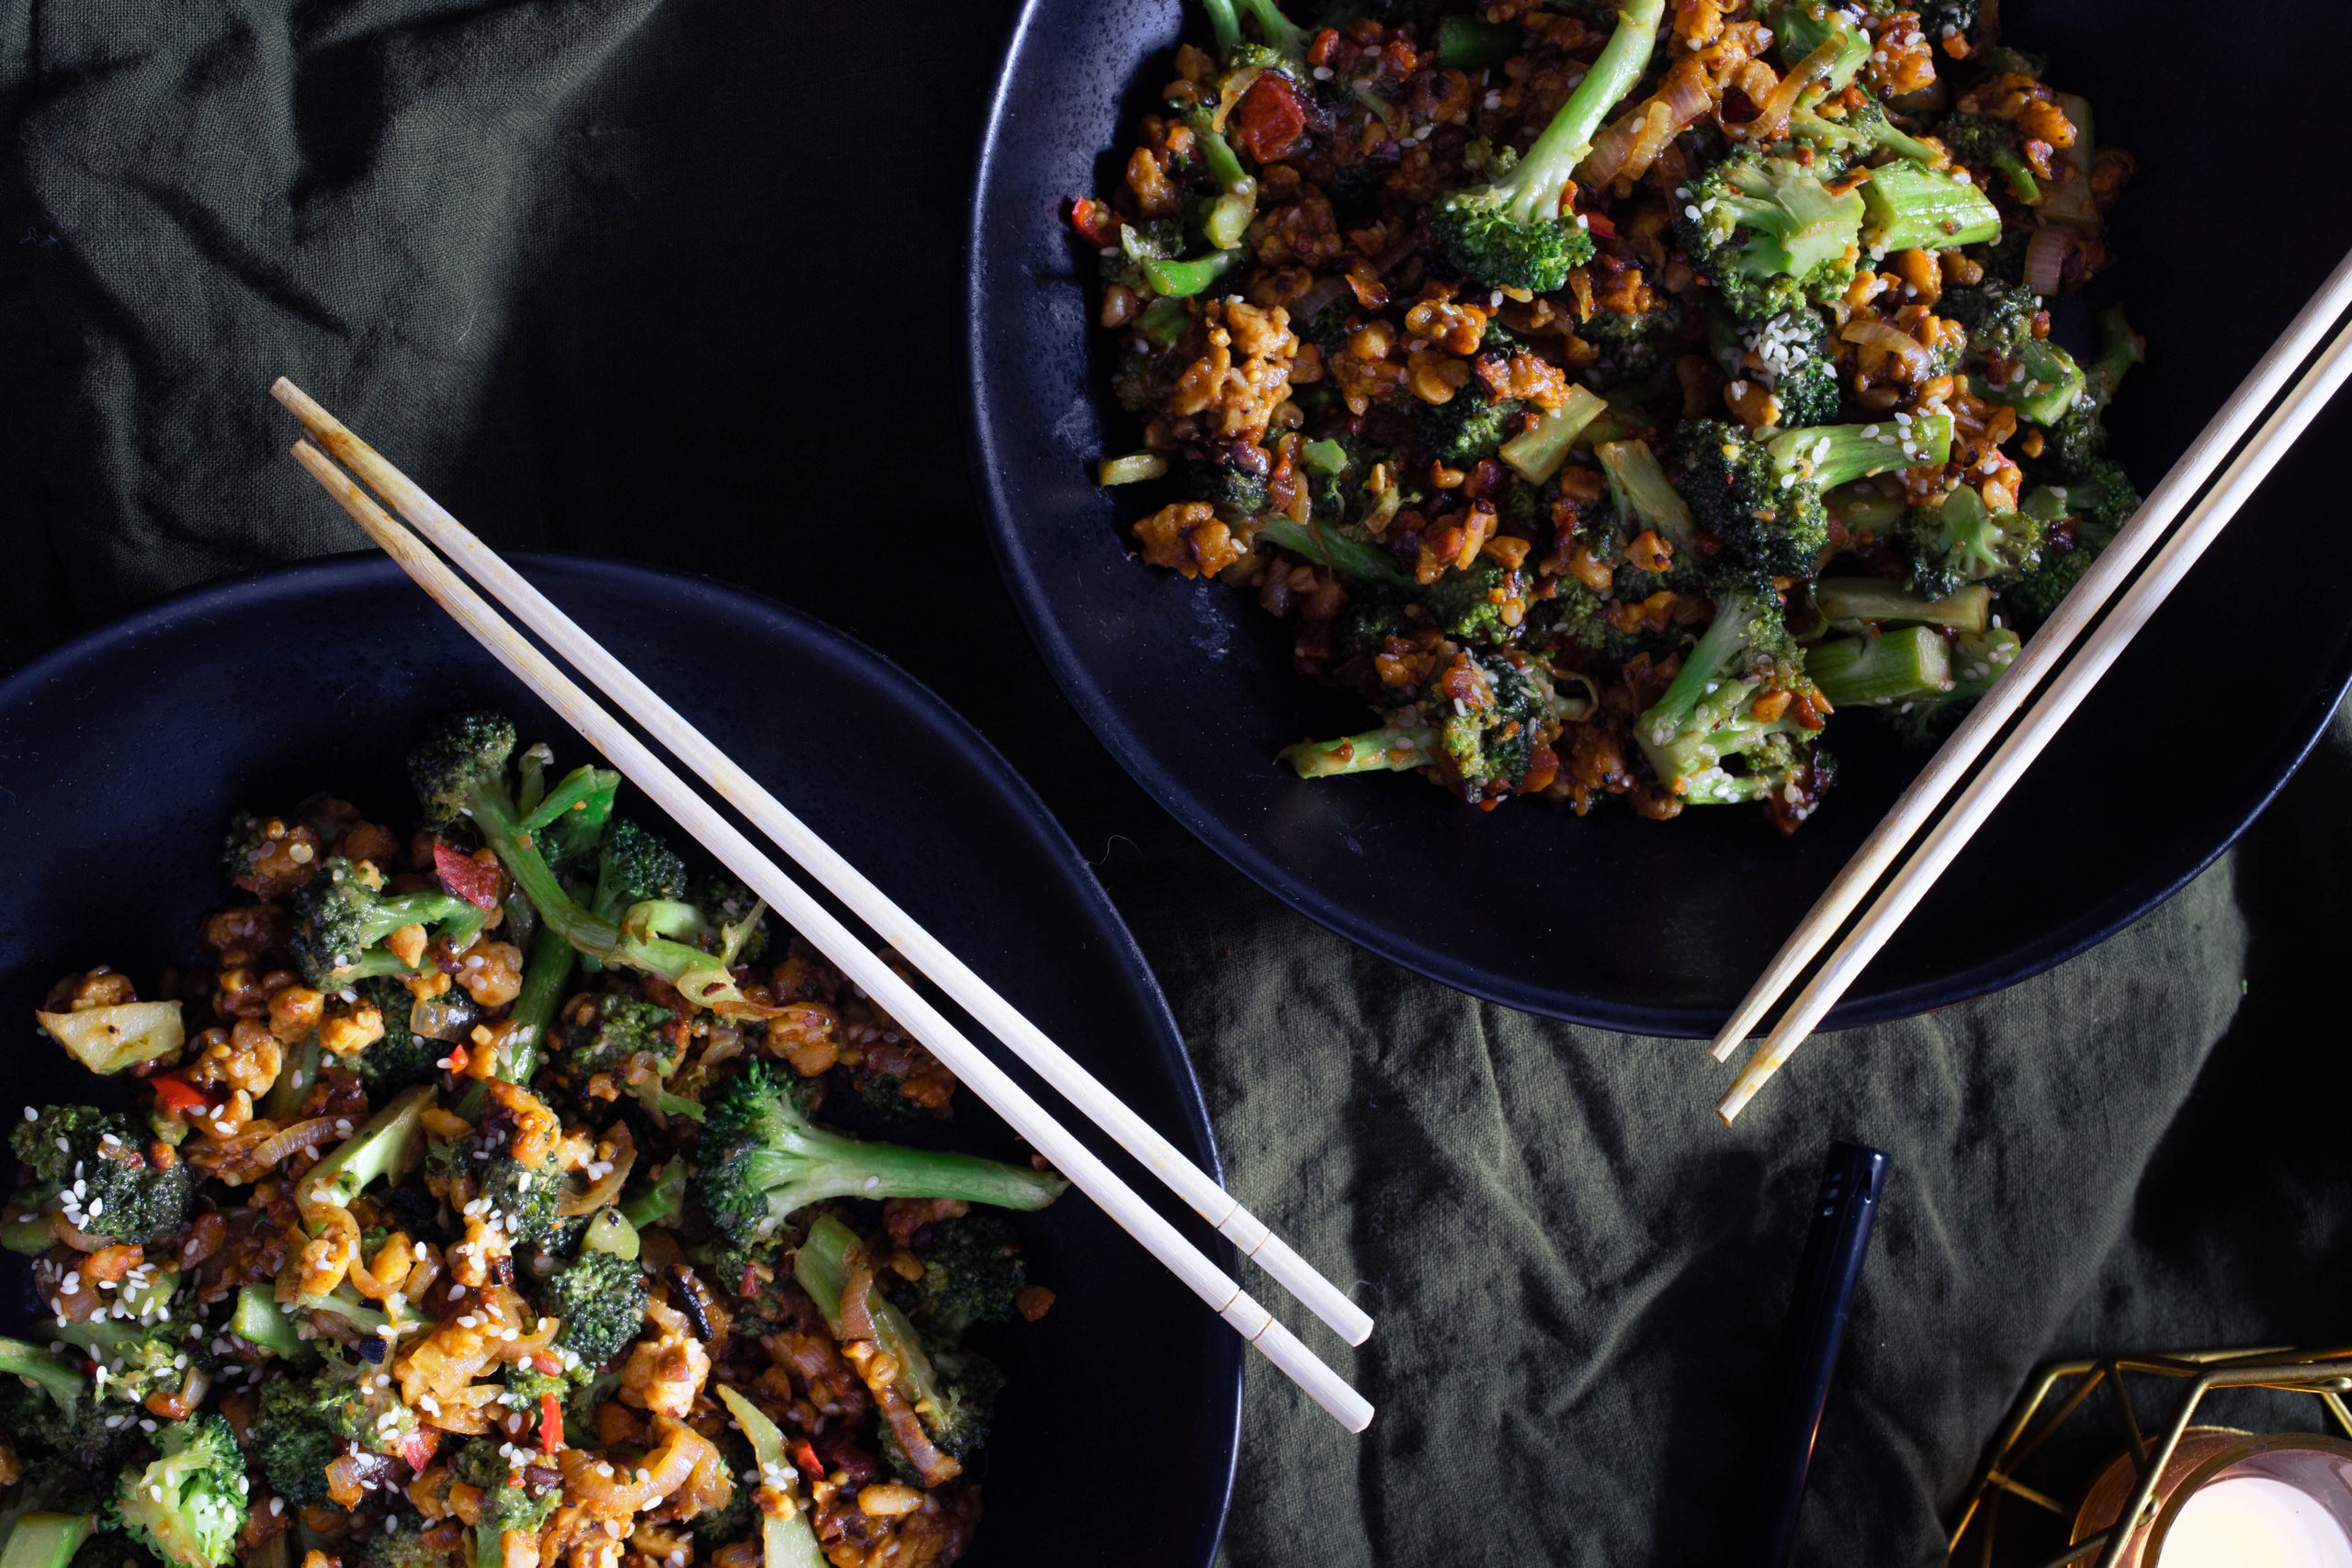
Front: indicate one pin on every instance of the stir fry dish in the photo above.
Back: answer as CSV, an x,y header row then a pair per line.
x,y
1610,395
472,1209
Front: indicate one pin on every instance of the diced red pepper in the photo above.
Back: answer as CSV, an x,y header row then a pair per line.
x,y
176,1093
749,1284
1095,221
418,1446
1599,225
805,1455
462,877
1267,123
551,1423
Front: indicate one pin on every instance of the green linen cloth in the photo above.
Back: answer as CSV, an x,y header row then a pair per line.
x,y
678,281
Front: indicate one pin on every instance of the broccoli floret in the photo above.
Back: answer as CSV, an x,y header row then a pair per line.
x,y
402,1058
1862,129
1512,235
2101,502
1763,498
136,1357
633,865
1465,603
1637,345
601,1036
1489,741
1494,743
1471,424
71,1441
104,1184
738,1518
523,1198
952,1393
1983,142
2075,443
460,770
341,914
1222,484
972,1273
737,916
1999,316
404,1547
1941,19
1361,629
190,1503
1768,234
660,1203
600,1300
507,1501
110,1547
762,1159
2103,498
1703,739
302,1423
1958,541
1793,351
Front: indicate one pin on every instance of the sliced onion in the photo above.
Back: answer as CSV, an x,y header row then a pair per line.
x,y
609,1188
1685,98
2045,260
291,1140
449,1016
1311,304
1869,330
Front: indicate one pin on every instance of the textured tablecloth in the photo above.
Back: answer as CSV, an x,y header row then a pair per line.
x,y
678,282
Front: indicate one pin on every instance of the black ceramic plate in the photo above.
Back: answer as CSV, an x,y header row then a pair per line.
x,y
121,754
1659,927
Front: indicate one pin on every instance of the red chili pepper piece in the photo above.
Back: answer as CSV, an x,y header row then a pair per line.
x,y
418,1446
551,1423
1269,121
176,1093
1095,221
806,1458
462,877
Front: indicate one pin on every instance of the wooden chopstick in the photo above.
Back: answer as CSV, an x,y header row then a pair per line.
x,y
2041,655
835,874
2065,693
856,960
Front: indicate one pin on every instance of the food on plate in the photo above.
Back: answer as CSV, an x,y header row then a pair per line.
x,y
479,1205
1613,396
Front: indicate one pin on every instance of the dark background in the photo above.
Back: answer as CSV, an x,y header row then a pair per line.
x,y
678,282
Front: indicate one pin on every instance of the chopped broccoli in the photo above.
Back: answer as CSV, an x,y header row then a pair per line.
x,y
1999,317
1763,498
190,1503
1467,603
1397,749
1961,541
508,1503
460,771
46,1540
738,1518
1510,234
402,1058
972,1273
1706,724
600,1300
632,866
1768,234
762,1161
1637,345
1471,424
2076,442
1863,129
136,1357
402,1547
106,1186
1909,665
342,913
602,1036
1803,30
1985,143
1913,207
1793,349
1222,484
1284,41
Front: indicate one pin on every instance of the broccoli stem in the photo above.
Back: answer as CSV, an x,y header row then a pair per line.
x,y
663,1203
821,1268
1338,552
1281,35
1910,207
1807,126
284,1101
698,976
388,1144
786,1539
1393,751
1703,666
1539,452
1182,279
1637,486
1875,599
2120,349
259,1320
1536,183
545,974
1840,454
1800,34
46,1540
1896,667
61,1379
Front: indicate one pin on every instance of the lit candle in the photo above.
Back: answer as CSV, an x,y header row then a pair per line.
x,y
2251,1521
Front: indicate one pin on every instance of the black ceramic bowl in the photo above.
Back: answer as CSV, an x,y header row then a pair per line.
x,y
121,754
1659,927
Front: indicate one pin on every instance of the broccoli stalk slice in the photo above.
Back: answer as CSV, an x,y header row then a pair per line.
x,y
259,1320
1509,233
1873,671
389,1144
1834,455
46,1540
1236,203
546,973
1338,552
1709,660
1182,279
58,1378
2047,385
1541,450
1637,487
1801,34
1840,599
660,1203
1399,750
1978,659
786,1539
1910,207
301,1071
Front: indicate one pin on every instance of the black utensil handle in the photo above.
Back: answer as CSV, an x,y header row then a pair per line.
x,y
1843,1212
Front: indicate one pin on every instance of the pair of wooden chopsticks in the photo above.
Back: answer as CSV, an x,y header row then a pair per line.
x,y
2041,658
853,957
